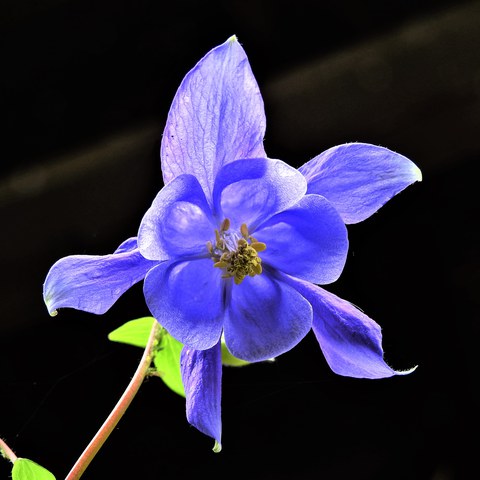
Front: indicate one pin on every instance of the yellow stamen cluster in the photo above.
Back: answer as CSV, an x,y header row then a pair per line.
x,y
242,261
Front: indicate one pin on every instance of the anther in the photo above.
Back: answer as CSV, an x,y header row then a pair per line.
x,y
225,225
210,247
221,264
258,246
244,230
218,240
257,269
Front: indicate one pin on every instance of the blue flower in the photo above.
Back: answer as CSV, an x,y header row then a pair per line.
x,y
235,244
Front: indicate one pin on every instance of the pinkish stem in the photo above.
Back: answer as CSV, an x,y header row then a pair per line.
x,y
120,408
7,451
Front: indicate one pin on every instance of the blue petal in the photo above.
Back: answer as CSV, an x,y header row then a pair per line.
x,y
187,299
179,223
251,191
359,178
128,245
350,341
217,116
309,241
202,380
94,283
265,318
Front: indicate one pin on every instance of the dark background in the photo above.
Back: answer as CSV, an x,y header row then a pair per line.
x,y
85,90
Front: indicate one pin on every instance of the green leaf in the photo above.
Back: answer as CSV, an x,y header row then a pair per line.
x,y
134,332
24,469
167,363
167,355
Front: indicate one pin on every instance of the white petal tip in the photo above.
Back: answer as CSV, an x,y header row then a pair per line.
x,y
217,448
418,174
47,298
406,372
232,39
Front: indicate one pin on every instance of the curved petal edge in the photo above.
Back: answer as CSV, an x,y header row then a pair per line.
x,y
252,190
178,223
359,178
186,299
350,341
202,379
93,283
266,317
307,241
216,117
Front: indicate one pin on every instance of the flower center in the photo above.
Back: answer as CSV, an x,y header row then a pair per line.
x,y
236,254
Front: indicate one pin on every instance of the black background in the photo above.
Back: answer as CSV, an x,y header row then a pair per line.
x,y
85,90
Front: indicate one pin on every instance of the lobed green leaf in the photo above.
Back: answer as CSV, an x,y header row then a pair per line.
x,y
166,360
134,332
24,469
167,363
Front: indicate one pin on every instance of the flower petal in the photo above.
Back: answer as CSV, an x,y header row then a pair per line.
x,y
217,116
359,178
179,223
251,191
187,299
202,380
265,318
309,241
128,245
349,339
93,283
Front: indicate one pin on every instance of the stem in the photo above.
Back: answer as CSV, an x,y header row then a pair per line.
x,y
120,408
6,451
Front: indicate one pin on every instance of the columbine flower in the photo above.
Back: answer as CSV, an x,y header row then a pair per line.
x,y
235,243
